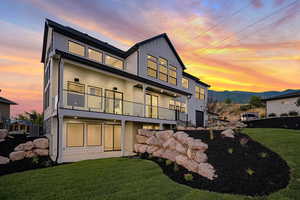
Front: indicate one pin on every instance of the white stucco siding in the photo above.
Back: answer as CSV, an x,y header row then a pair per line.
x,y
282,106
158,48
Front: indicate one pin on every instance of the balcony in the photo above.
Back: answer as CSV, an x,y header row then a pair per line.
x,y
118,106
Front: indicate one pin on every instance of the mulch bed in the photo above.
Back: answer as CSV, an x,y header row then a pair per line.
x,y
247,169
7,146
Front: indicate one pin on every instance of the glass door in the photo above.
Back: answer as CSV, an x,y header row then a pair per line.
x,y
113,102
151,106
112,137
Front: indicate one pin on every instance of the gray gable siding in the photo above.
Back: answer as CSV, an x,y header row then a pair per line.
x,y
158,48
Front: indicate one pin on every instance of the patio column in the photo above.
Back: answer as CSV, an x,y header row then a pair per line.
x,y
123,132
161,126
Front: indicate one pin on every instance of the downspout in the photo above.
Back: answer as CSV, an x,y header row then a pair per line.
x,y
57,106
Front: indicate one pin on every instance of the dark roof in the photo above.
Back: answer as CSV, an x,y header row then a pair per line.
x,y
118,72
284,96
6,101
85,38
194,78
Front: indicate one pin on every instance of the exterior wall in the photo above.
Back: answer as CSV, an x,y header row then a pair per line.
x,y
131,63
194,103
158,48
4,111
282,106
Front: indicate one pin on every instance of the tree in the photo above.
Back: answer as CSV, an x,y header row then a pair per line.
x,y
298,102
256,102
228,101
33,116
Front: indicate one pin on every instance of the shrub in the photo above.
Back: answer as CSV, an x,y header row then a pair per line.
x,y
284,115
263,116
298,102
169,162
272,115
244,141
230,150
35,160
228,101
256,102
176,168
188,177
293,113
250,171
160,160
263,154
245,107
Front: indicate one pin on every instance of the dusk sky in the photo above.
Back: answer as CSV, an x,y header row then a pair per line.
x,y
247,45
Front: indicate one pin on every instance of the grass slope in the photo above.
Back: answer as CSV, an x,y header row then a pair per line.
x,y
121,178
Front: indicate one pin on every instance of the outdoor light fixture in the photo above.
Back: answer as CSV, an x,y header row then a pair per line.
x,y
76,80
115,88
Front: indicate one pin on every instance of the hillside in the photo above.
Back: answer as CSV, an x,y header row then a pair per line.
x,y
243,97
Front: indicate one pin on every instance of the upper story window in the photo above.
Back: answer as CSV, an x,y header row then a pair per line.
x,y
185,83
152,66
177,105
94,55
163,70
112,61
200,93
76,48
173,75
76,87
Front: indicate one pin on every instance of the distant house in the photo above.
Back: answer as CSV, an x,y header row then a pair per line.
x,y
5,110
20,126
283,104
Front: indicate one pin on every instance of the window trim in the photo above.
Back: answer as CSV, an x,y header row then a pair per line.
x,y
152,60
199,94
188,83
170,76
84,48
83,135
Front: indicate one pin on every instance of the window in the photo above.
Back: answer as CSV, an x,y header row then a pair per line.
x,y
114,62
151,106
95,97
76,48
163,70
95,55
172,75
172,104
94,135
200,93
47,75
152,66
75,133
183,107
75,87
177,105
185,83
46,98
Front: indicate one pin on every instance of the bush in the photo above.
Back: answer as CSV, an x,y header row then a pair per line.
x,y
176,168
188,177
263,154
263,116
169,162
250,171
293,113
298,102
284,115
245,107
230,150
228,101
272,115
256,102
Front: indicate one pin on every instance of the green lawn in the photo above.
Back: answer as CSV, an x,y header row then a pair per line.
x,y
121,178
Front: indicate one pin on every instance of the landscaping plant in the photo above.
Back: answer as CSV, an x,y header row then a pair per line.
x,y
250,171
188,177
230,150
263,154
293,113
272,115
283,115
169,162
176,167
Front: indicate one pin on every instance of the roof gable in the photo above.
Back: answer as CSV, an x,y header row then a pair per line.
x,y
6,101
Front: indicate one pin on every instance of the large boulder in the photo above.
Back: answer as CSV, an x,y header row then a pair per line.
x,y
180,128
170,144
28,146
197,144
152,149
181,160
141,139
200,157
20,147
158,153
140,148
4,160
164,135
153,141
41,152
30,154
207,170
181,136
169,154
228,133
3,133
145,132
191,166
17,155
180,148
41,143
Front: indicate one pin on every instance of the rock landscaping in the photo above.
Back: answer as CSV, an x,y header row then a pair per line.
x,y
19,153
223,161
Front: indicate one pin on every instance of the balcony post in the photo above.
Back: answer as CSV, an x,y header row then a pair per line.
x,y
144,104
61,84
123,132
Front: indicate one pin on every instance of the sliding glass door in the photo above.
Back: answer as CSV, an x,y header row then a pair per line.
x,y
113,102
112,137
151,106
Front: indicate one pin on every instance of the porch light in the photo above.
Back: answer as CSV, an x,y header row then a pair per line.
x,y
75,117
161,91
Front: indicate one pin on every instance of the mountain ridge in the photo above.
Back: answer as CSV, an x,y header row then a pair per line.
x,y
243,96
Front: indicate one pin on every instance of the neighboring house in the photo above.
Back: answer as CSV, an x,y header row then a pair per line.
x,y
5,111
283,104
19,126
96,96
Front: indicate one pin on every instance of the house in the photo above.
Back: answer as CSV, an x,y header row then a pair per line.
x,y
5,111
19,126
283,104
96,95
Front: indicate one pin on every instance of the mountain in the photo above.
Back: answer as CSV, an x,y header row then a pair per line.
x,y
243,97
